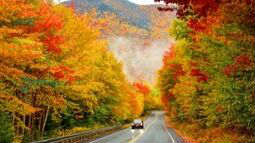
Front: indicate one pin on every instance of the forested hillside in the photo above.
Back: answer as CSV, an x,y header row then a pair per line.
x,y
123,9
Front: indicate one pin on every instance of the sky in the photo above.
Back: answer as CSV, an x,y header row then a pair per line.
x,y
141,2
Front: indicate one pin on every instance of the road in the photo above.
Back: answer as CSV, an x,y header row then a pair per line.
x,y
155,131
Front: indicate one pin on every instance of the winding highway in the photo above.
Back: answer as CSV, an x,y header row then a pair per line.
x,y
155,131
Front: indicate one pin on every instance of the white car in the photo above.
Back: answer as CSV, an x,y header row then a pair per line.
x,y
137,124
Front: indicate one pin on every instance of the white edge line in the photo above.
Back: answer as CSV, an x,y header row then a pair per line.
x,y
169,134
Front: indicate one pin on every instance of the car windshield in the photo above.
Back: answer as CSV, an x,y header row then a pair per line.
x,y
137,121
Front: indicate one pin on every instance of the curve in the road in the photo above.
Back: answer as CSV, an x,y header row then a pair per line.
x,y
155,132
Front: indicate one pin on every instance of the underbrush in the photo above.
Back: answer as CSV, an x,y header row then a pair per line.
x,y
194,133
74,130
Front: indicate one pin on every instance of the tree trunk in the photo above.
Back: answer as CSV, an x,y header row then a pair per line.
x,y
33,126
45,119
24,121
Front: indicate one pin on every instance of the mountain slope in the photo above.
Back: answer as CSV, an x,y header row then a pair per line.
x,y
124,9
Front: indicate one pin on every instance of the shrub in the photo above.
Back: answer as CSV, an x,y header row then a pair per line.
x,y
6,129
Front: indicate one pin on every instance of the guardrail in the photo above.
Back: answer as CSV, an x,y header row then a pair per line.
x,y
83,137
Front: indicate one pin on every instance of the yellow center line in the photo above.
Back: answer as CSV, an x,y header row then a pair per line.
x,y
137,137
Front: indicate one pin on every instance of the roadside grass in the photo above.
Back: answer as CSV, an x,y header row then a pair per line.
x,y
74,130
193,133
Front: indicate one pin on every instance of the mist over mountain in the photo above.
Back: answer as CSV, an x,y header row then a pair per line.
x,y
140,62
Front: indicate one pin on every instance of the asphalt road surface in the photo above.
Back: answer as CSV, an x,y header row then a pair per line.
x,y
154,131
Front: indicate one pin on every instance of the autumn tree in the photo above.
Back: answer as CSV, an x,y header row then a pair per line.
x,y
209,70
29,44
